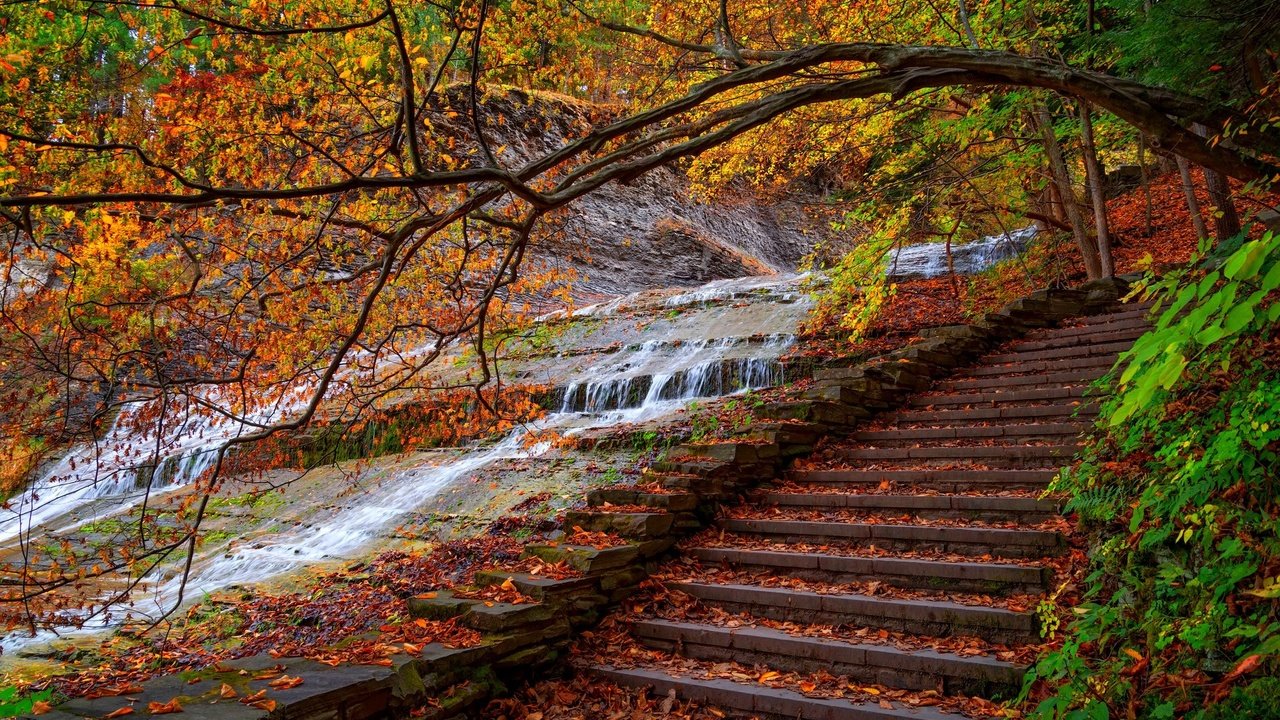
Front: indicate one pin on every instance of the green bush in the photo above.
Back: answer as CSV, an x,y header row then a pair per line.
x,y
1180,487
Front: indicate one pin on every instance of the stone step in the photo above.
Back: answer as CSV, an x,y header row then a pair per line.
x,y
940,480
996,542
761,701
624,524
1039,366
990,455
1101,337
976,507
936,618
1011,433
982,577
674,502
1126,311
1090,330
864,662
1040,380
1059,353
999,398
986,415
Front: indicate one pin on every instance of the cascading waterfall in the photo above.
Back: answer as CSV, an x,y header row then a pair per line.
x,y
929,260
642,381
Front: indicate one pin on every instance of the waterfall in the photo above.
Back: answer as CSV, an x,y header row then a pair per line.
x,y
929,260
706,351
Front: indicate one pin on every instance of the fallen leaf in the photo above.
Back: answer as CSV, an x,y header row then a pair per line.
x,y
285,682
118,712
41,707
156,708
227,692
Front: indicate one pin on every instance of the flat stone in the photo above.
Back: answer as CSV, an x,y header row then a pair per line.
x,y
500,617
439,605
585,559
625,524
535,586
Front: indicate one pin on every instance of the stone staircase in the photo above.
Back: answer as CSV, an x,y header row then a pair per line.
x,y
904,559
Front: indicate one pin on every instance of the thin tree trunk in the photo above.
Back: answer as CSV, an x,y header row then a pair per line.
x,y
963,13
1193,205
1146,181
1067,193
1097,194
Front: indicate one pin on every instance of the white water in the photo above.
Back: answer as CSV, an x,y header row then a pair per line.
x,y
99,480
929,260
135,460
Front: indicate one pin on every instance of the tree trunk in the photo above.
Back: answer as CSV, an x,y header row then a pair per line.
x,y
1146,181
1097,195
1226,223
1193,205
1067,193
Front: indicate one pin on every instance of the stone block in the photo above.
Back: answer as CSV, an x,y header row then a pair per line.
x,y
501,617
585,559
439,605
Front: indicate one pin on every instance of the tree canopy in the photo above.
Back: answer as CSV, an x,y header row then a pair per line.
x,y
268,211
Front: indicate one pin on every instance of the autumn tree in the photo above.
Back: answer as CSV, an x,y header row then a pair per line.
x,y
276,213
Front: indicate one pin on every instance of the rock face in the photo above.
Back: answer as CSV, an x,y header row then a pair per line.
x,y
650,233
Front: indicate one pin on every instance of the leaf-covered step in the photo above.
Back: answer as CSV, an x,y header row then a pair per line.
x,y
991,415
1038,366
949,480
761,701
996,542
869,663
1006,433
981,577
1056,379
990,397
1084,350
979,507
990,455
937,618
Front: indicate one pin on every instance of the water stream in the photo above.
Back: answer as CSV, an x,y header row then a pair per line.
x,y
705,351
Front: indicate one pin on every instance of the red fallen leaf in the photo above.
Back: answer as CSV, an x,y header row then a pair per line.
x,y
168,708
268,705
1215,68
227,692
251,699
118,712
41,707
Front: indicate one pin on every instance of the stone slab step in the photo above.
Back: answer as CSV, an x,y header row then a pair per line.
x,y
983,577
1038,366
756,700
986,415
1105,324
883,664
995,382
1024,509
1015,433
942,480
674,502
1113,348
1102,335
1126,311
996,398
997,542
991,455
937,618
